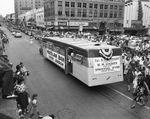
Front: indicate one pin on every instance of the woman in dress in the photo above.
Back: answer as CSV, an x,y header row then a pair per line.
x,y
22,99
128,78
135,81
31,40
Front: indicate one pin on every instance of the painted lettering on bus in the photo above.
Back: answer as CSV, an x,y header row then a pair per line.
x,y
56,58
59,62
52,53
61,58
50,57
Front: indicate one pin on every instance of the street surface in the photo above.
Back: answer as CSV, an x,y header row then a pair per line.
x,y
65,96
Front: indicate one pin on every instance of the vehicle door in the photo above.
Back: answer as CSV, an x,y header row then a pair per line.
x,y
69,64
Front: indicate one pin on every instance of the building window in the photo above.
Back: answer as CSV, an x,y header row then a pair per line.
x,y
101,6
111,15
79,4
67,13
120,7
91,14
95,13
120,14
101,14
60,13
72,13
60,3
84,5
106,6
111,7
105,14
115,15
90,5
84,13
115,7
95,6
72,4
66,4
79,13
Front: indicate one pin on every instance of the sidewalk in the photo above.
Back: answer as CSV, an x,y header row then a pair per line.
x,y
8,108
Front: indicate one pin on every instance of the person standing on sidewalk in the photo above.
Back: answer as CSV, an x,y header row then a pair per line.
x,y
34,109
24,71
21,92
31,40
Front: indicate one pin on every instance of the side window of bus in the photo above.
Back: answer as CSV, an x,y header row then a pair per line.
x,y
62,52
50,46
85,61
57,49
79,58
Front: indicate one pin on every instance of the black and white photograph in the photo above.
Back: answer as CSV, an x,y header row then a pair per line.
x,y
74,59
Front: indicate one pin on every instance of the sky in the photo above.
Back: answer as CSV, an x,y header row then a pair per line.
x,y
6,7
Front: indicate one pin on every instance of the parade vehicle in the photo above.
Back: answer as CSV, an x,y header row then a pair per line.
x,y
17,34
90,62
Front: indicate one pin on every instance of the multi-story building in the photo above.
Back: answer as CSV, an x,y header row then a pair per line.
x,y
137,15
22,6
132,8
40,18
70,14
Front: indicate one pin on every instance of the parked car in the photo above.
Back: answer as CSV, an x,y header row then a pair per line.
x,y
29,33
18,34
13,32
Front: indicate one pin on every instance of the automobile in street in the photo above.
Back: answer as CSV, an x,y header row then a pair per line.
x,y
29,33
13,32
17,34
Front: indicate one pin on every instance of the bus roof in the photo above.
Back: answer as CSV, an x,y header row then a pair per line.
x,y
81,43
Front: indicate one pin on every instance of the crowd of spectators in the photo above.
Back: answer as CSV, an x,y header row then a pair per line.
x,y
135,55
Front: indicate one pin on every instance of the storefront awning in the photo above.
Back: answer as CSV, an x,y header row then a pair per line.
x,y
76,27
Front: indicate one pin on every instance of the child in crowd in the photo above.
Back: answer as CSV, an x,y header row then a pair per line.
x,y
34,109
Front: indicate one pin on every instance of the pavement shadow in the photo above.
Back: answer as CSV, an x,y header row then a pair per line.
x,y
2,116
